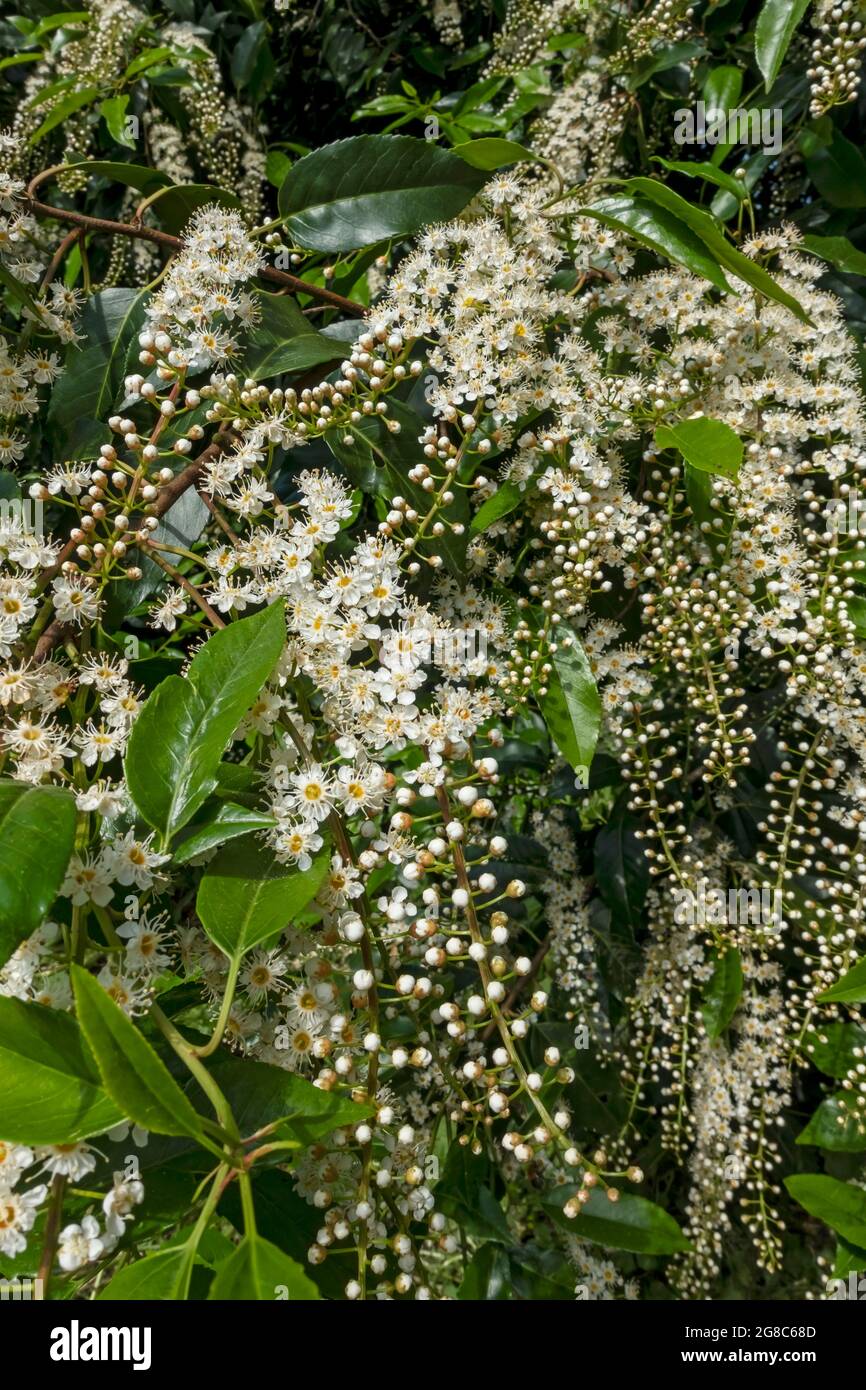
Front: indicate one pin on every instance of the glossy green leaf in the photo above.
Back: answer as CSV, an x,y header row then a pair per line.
x,y
723,993
163,1276
49,1083
835,1126
774,31
507,498
838,251
838,171
571,709
851,989
246,897
175,206
632,1223
284,341
137,176
493,153
136,1079
835,1048
179,738
113,111
708,445
228,822
261,1094
696,169
369,187
723,251
840,1205
95,368
66,106
258,1270
37,833
661,232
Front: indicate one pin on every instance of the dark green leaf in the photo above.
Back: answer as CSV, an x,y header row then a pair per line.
x,y
283,341
370,187
632,1223
723,993
228,822
95,368
836,1048
838,251
37,833
835,1126
661,232
838,171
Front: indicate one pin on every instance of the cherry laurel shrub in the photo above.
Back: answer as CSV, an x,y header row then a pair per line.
x,y
433,638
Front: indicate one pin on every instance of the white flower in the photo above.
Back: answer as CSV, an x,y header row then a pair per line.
x,y
79,1244
17,1215
131,860
73,1161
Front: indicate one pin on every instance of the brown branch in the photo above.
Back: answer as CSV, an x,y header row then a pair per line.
x,y
174,243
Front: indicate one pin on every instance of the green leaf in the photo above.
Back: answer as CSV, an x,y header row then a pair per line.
x,y
463,1194
840,1205
95,370
133,1075
283,341
838,251
721,91
507,498
662,233
716,242
164,1275
175,206
838,171
246,897
851,989
835,1126
261,1271
695,169
834,1047
180,736
571,709
369,187
773,33
708,445
138,176
493,153
723,993
113,110
67,105
632,1223
228,822
49,1082
148,59
37,833
261,1094
621,867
